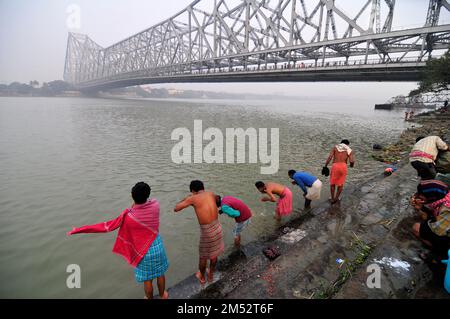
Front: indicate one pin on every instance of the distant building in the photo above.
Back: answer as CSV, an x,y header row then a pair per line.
x,y
175,92
71,93
147,88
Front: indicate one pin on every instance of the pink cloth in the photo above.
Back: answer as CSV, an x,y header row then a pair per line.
x,y
284,204
436,206
139,227
237,204
147,213
421,154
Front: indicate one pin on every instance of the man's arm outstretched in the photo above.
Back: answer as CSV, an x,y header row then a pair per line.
x,y
185,203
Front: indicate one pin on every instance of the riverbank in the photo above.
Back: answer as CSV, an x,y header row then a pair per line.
x,y
425,124
372,225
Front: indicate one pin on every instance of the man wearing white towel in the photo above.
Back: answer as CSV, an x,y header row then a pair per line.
x,y
310,185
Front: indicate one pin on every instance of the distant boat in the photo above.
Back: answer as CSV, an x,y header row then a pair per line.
x,y
387,106
403,102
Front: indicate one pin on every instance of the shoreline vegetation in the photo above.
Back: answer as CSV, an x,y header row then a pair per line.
x,y
60,88
424,124
435,79
56,88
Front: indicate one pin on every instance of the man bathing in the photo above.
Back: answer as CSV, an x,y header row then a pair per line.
x,y
138,240
310,185
434,230
211,238
424,154
284,203
235,208
340,155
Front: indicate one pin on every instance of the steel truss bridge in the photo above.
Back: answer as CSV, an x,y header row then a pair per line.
x,y
265,40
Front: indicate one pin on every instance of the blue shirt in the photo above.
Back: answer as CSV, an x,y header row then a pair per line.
x,y
304,180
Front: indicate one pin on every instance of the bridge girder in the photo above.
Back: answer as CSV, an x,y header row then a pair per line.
x,y
254,33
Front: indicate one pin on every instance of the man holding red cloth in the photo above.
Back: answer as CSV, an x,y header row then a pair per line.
x,y
138,240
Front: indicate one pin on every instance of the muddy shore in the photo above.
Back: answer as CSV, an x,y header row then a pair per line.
x,y
325,252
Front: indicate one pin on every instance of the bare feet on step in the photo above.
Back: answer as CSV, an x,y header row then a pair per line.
x,y
210,277
200,277
165,295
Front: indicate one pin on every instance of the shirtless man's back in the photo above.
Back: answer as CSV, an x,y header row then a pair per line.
x,y
205,207
274,188
284,203
211,236
340,155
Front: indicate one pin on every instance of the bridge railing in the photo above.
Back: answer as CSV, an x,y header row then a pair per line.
x,y
190,70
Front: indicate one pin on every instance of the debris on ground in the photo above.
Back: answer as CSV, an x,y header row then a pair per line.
x,y
271,253
293,236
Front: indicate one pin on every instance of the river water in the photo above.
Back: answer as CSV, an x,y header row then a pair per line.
x,y
68,162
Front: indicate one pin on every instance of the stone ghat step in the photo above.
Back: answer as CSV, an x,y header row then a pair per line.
x,y
403,274
307,267
442,117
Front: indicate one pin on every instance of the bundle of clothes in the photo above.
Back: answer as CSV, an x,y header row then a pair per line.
x,y
432,201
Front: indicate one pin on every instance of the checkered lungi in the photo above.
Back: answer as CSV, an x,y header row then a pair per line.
x,y
154,264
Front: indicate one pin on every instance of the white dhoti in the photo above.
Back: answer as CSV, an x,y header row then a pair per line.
x,y
314,191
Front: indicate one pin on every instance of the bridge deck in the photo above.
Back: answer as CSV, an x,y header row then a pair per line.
x,y
394,72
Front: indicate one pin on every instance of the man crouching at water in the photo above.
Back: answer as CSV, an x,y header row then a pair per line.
x,y
211,238
284,203
138,240
340,154
310,185
235,208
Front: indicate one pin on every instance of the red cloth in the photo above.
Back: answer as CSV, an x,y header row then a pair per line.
x,y
338,174
284,204
237,204
436,206
138,229
421,154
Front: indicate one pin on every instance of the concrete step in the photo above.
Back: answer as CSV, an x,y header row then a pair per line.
x,y
307,268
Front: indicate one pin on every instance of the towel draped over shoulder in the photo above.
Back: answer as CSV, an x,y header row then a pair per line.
x,y
136,234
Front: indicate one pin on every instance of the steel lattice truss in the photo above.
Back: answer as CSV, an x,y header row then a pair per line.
x,y
257,35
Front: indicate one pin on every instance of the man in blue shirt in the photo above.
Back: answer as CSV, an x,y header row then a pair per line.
x,y
310,185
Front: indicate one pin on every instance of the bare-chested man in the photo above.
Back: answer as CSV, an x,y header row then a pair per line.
x,y
284,204
211,238
340,155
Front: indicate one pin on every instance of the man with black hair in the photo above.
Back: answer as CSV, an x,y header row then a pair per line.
x,y
138,240
237,209
435,230
284,202
424,154
309,184
211,238
340,155
444,109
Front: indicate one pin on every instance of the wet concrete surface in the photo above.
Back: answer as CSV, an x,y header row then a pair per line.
x,y
372,225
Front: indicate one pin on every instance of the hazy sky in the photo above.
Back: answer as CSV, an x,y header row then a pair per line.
x,y
33,35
